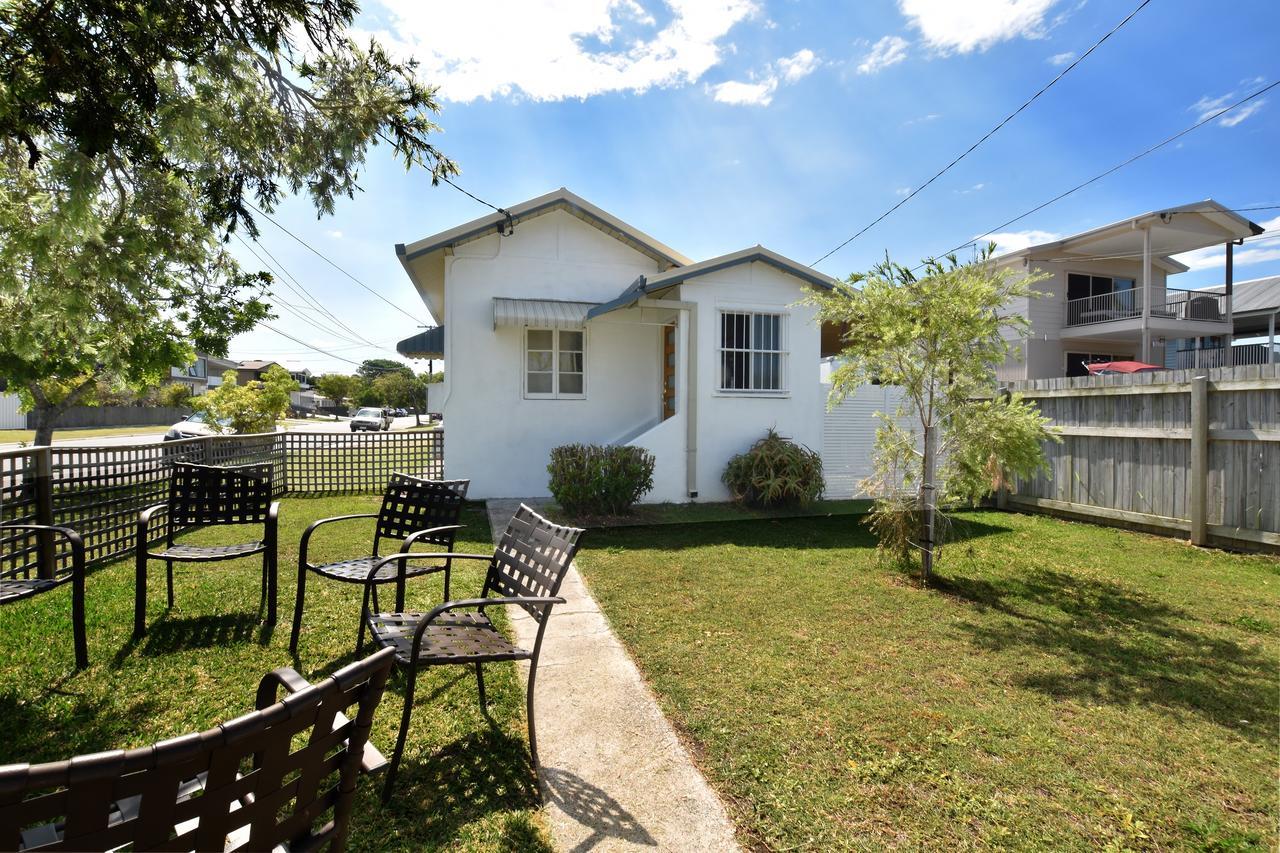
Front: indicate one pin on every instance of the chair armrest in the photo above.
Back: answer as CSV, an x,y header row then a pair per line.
x,y
414,537
402,558
77,542
371,761
311,528
144,522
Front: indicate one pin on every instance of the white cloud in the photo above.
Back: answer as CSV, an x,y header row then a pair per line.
x,y
334,234
922,119
903,191
750,94
759,93
1215,257
1013,241
797,66
550,50
948,26
973,189
1239,114
1207,107
1061,59
890,50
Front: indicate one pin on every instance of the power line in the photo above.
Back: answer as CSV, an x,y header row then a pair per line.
x,y
286,277
325,258
1113,169
307,345
987,135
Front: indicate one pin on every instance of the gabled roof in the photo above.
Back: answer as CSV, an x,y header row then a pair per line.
x,y
561,199
1172,233
645,285
256,364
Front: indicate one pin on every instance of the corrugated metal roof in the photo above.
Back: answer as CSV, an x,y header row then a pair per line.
x,y
540,313
426,344
1259,294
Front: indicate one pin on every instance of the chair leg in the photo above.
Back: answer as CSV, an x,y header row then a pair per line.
x,y
77,623
480,684
400,596
168,573
140,595
297,610
394,767
269,580
533,732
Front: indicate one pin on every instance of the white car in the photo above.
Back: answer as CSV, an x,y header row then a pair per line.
x,y
371,419
198,424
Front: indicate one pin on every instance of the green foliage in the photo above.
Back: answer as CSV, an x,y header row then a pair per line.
x,y
775,472
399,389
599,480
336,386
939,338
174,395
372,368
250,408
134,138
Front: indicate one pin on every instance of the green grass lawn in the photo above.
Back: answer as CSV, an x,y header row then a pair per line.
x,y
465,783
9,436
1067,686
698,513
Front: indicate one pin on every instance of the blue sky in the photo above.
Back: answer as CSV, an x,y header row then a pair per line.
x,y
718,124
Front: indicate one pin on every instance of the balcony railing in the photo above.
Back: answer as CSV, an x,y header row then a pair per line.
x,y
1190,359
1126,304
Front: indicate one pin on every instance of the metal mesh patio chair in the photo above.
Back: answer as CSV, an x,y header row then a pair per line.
x,y
203,496
284,775
18,584
413,511
526,569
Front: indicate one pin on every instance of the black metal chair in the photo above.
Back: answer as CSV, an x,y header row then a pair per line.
x,y
526,568
202,496
17,584
413,511
283,775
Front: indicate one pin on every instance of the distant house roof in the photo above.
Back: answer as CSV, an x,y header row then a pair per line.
x,y
646,285
1258,294
425,344
255,364
561,199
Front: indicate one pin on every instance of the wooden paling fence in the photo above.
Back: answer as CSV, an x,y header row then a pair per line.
x,y
98,491
1195,452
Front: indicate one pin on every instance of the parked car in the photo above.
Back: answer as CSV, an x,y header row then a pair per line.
x,y
371,419
198,424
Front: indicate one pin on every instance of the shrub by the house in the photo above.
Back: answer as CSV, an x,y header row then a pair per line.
x,y
775,472
595,480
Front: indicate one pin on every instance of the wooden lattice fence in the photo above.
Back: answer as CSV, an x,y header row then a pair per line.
x,y
99,491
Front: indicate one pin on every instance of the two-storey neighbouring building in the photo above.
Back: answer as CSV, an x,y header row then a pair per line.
x,y
1107,297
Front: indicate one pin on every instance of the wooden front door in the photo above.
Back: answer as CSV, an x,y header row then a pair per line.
x,y
668,371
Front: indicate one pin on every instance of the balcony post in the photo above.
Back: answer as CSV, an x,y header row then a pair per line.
x,y
1146,294
1271,338
1228,360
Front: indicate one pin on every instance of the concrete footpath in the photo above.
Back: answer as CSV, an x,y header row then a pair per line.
x,y
614,774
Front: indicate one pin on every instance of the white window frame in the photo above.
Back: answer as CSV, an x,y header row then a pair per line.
x,y
556,393
783,352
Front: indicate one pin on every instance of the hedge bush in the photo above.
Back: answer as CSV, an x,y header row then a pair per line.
x,y
596,480
775,472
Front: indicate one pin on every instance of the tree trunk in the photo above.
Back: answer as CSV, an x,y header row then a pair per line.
x,y
45,416
47,412
928,497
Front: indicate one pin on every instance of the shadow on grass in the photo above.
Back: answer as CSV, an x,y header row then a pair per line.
x,y
1117,646
592,807
170,634
483,773
792,534
32,731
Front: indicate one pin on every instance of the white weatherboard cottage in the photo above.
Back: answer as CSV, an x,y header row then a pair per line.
x,y
559,323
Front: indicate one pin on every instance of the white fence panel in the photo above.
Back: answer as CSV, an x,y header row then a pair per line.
x,y
10,417
849,435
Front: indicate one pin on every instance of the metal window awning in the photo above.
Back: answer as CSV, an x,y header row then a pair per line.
x,y
540,313
428,344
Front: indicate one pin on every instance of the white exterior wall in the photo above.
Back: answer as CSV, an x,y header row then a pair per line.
x,y
729,423
496,437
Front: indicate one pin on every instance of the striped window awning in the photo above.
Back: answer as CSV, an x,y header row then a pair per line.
x,y
540,313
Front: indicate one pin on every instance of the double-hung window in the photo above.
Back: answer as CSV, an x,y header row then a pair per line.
x,y
554,364
753,356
